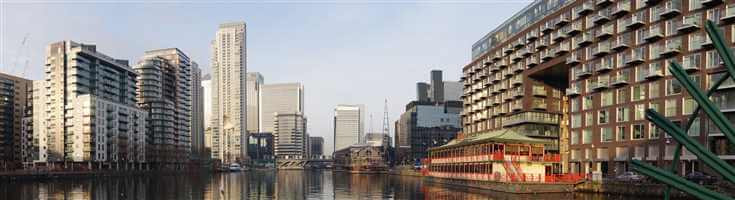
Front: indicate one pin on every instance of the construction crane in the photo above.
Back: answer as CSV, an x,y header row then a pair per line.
x,y
18,56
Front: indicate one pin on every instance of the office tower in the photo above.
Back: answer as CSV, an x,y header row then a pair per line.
x,y
424,125
164,91
280,98
91,116
260,148
422,92
316,146
229,67
13,101
437,86
349,125
207,96
197,113
290,140
254,85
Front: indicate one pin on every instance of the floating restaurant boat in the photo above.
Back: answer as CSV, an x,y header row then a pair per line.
x,y
501,160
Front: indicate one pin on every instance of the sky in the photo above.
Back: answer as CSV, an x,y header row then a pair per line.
x,y
344,52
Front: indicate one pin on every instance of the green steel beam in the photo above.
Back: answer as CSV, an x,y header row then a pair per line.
x,y
678,182
714,162
709,108
715,35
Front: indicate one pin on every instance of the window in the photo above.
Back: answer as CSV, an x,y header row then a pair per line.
x,y
607,98
694,130
621,133
638,131
639,111
714,15
606,134
713,59
574,104
576,120
670,105
638,93
653,89
586,136
622,96
641,72
622,114
587,103
688,106
694,4
602,117
655,106
654,131
575,137
673,87
589,119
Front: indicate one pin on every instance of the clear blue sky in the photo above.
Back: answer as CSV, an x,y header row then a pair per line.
x,y
356,52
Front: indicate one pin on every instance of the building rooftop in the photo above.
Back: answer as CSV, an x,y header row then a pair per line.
x,y
503,135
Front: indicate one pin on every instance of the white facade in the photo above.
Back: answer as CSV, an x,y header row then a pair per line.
x,y
254,85
83,87
280,98
229,111
349,125
207,98
289,136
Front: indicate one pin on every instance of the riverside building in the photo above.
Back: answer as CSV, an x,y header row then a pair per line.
x,y
88,115
14,98
165,91
579,74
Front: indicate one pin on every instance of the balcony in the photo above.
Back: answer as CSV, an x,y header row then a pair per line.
x,y
546,28
600,19
563,20
508,50
525,52
605,32
546,56
564,48
602,3
689,24
709,3
603,68
531,36
584,40
654,34
572,91
516,80
572,60
654,74
574,29
620,80
519,43
558,36
671,50
516,106
539,91
729,15
599,85
670,9
690,67
635,59
621,44
531,117
541,44
650,2
531,62
621,9
583,73
518,93
706,42
497,56
585,8
518,68
601,49
634,22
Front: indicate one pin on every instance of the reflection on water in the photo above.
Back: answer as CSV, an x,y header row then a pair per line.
x,y
256,185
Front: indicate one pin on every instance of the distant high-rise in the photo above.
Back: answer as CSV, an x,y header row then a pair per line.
x,y
452,90
422,92
13,100
437,86
349,125
229,68
165,92
290,139
207,99
254,84
316,146
197,113
280,98
90,108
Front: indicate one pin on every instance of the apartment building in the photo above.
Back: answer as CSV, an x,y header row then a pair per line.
x,y
581,73
88,114
13,102
165,91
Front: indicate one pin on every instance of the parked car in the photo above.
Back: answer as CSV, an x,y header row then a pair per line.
x,y
701,178
630,176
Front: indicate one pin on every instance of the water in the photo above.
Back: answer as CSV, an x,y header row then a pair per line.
x,y
257,184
